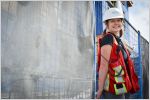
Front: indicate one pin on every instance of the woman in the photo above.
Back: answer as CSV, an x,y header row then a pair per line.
x,y
113,81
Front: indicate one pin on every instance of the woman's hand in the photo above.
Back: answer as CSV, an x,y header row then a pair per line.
x,y
99,93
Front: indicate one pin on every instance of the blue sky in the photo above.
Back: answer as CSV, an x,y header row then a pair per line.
x,y
139,16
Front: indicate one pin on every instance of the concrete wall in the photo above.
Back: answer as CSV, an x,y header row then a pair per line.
x,y
45,39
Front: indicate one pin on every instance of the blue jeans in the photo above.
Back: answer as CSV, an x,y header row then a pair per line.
x,y
107,95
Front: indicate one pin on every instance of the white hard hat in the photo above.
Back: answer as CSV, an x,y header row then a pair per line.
x,y
112,13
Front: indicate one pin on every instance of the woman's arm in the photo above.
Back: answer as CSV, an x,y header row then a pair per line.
x,y
105,52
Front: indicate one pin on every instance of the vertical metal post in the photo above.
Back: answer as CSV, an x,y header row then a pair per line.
x,y
140,65
99,28
98,14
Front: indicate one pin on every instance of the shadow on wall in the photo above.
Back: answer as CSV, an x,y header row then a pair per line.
x,y
24,3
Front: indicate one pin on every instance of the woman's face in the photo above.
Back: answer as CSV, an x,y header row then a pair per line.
x,y
114,25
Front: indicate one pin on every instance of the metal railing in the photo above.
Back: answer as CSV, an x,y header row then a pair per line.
x,y
133,38
49,88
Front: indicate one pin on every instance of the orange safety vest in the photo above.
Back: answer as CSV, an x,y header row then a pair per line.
x,y
119,79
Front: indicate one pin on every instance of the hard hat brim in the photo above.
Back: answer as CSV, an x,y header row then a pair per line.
x,y
113,18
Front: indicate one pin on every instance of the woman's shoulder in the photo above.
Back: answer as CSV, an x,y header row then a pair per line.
x,y
107,39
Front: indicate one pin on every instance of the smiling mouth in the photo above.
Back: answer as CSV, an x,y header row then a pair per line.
x,y
117,27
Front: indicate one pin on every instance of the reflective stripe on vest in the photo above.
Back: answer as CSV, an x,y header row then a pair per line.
x,y
120,90
119,79
117,70
106,85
